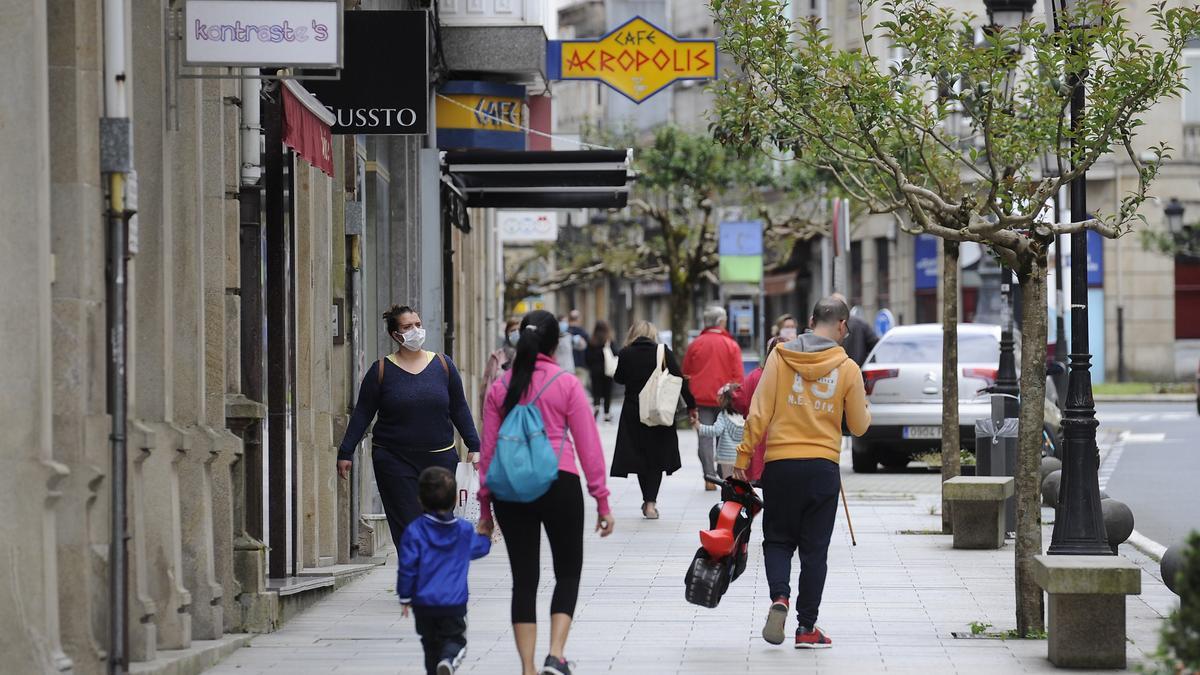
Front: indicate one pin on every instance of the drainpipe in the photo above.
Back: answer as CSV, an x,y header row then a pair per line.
x,y
116,163
251,127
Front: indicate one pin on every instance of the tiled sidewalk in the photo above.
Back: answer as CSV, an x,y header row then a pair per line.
x,y
890,605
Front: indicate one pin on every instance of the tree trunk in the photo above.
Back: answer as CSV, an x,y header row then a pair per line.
x,y
951,443
681,311
1030,602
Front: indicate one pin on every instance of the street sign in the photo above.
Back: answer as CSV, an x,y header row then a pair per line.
x,y
637,59
262,33
925,262
481,115
741,238
884,321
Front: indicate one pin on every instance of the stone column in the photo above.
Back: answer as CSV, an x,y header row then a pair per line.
x,y
81,426
30,478
325,469
306,543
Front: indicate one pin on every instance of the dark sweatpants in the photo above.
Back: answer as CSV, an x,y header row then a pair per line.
x,y
396,475
800,506
442,637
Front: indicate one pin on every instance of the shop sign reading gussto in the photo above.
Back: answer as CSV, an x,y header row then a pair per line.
x,y
262,33
382,87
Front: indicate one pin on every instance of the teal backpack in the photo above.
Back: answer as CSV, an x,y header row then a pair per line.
x,y
525,464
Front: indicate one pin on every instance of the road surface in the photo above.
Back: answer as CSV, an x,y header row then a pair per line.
x,y
1156,467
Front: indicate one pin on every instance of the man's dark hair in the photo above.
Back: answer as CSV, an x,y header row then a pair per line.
x,y
830,310
436,489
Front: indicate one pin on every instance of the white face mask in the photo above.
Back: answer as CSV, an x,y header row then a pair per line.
x,y
787,333
513,337
414,339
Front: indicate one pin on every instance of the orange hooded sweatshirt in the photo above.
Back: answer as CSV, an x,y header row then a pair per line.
x,y
807,386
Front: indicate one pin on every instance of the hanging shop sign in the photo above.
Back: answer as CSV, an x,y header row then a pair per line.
x,y
525,226
383,87
481,116
263,33
925,262
638,59
740,248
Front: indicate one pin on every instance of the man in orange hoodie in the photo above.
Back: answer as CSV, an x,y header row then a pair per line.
x,y
807,387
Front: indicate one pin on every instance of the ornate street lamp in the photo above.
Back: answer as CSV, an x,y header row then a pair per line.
x,y
1008,13
1078,521
1050,168
1174,214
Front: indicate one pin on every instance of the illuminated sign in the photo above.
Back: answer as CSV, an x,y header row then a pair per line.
x,y
474,115
638,59
262,33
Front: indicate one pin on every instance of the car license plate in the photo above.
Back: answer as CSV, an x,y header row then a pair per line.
x,y
922,432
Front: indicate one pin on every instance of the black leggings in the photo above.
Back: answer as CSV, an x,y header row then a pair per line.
x,y
560,510
650,481
601,390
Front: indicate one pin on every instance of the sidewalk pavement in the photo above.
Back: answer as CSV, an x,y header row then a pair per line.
x,y
891,604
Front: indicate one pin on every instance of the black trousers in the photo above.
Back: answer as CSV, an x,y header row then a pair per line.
x,y
800,506
602,386
442,637
650,482
560,511
396,475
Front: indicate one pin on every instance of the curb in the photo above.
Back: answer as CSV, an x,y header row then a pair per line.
x,y
1146,545
1144,398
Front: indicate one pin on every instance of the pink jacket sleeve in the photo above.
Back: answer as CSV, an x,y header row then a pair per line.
x,y
492,406
582,424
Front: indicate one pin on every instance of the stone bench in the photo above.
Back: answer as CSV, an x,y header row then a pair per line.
x,y
977,509
1086,607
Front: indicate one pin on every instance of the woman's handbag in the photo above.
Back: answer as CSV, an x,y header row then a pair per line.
x,y
610,360
660,396
467,480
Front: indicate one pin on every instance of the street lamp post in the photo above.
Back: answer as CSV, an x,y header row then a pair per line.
x,y
1007,14
1078,521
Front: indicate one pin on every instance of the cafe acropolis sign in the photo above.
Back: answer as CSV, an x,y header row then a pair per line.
x,y
263,33
638,59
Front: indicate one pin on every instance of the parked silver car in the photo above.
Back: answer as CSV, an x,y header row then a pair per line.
x,y
903,377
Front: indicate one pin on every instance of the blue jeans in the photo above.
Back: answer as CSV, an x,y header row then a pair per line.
x,y
800,506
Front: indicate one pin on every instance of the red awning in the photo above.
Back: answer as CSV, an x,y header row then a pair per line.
x,y
306,126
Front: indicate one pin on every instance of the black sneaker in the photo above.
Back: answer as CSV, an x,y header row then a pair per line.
x,y
556,666
449,665
773,630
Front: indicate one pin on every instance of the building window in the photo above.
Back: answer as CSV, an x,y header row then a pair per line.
x,y
883,273
1190,101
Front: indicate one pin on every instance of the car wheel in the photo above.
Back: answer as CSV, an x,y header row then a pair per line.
x,y
862,457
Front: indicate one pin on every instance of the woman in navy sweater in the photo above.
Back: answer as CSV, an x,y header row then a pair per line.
x,y
418,397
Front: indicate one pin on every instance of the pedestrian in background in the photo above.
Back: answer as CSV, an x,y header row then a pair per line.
x,y
786,327
596,359
431,576
712,360
741,403
644,450
564,352
418,397
862,337
499,360
563,405
807,387
579,343
727,430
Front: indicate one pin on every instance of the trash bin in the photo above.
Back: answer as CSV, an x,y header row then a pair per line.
x,y
996,455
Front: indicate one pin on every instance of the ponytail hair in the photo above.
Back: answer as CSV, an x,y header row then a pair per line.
x,y
539,335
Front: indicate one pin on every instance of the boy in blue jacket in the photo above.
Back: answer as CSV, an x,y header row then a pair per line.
x,y
435,552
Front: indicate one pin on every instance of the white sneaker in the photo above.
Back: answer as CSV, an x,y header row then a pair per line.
x,y
448,666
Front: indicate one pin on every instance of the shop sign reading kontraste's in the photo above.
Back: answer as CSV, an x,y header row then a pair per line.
x,y
263,33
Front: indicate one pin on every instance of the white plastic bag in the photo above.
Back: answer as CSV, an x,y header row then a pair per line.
x,y
657,402
610,360
467,479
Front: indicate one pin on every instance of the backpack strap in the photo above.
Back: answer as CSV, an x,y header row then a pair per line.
x,y
546,386
445,367
381,364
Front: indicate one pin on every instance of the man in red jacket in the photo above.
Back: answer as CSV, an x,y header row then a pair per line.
x,y
712,360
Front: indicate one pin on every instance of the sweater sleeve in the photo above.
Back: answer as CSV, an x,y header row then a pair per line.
x,y
762,409
737,371
715,429
492,408
858,414
460,412
686,391
582,423
364,412
622,374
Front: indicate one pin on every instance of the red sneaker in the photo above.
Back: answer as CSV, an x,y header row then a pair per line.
x,y
773,630
813,638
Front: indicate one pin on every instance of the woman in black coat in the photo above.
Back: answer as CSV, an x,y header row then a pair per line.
x,y
646,451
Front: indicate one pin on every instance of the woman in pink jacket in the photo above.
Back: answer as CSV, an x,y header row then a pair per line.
x,y
564,407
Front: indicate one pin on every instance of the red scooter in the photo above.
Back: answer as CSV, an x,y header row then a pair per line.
x,y
724,547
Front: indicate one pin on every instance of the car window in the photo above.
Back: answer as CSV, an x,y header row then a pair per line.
x,y
927,348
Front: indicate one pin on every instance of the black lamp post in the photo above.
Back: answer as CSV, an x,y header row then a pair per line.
x,y
1050,168
1174,214
1002,15
1078,521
